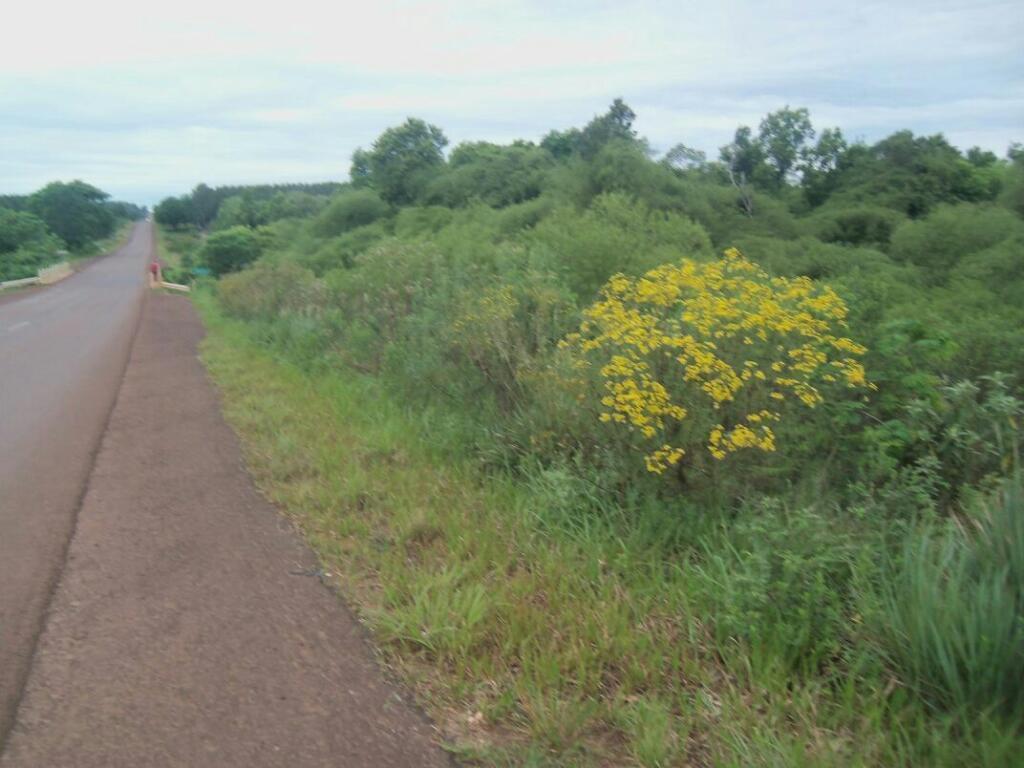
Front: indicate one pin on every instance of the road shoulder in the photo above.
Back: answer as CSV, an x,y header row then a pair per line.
x,y
189,627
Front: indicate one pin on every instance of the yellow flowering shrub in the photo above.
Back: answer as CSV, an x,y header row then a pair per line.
x,y
701,355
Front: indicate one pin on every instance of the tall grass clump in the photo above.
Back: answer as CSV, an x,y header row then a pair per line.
x,y
950,616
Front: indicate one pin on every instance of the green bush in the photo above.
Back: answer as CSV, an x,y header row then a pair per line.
x,y
860,225
25,244
938,242
230,250
267,291
349,210
616,234
780,583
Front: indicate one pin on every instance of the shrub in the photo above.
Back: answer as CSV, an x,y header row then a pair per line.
x,y
711,355
342,251
780,583
811,257
25,244
616,234
939,241
230,250
349,210
266,291
502,330
859,225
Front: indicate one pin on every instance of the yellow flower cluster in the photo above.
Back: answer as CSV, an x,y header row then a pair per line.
x,y
725,333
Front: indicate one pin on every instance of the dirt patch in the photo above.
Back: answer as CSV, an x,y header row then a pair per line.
x,y
188,627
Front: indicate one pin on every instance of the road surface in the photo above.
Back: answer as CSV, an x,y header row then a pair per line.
x,y
63,350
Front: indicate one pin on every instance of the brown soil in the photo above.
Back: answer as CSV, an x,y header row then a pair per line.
x,y
187,629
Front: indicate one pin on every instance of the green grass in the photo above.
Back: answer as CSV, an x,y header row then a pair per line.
x,y
537,638
952,607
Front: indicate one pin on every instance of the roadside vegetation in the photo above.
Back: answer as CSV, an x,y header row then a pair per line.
x,y
649,460
60,221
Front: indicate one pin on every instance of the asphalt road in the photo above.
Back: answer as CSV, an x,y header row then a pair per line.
x,y
63,351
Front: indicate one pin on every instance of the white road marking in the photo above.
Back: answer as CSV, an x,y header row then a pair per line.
x,y
18,326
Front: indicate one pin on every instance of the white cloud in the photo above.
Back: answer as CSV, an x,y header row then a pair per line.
x,y
148,100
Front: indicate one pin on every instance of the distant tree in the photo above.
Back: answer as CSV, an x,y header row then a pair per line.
x,y
174,212
124,210
402,161
15,202
822,165
494,174
1012,194
360,171
230,250
73,211
744,162
614,125
912,174
562,144
783,136
981,158
685,158
205,203
293,204
242,210
25,244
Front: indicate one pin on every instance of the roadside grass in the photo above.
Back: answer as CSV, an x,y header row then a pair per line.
x,y
532,637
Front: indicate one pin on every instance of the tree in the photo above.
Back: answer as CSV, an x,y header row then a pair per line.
x,y
562,144
173,212
293,205
1012,195
685,158
124,210
494,174
402,161
205,203
74,211
360,171
242,210
822,165
783,136
744,161
912,174
614,125
18,228
25,244
230,250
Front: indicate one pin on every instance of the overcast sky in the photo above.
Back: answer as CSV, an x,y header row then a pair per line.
x,y
148,99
